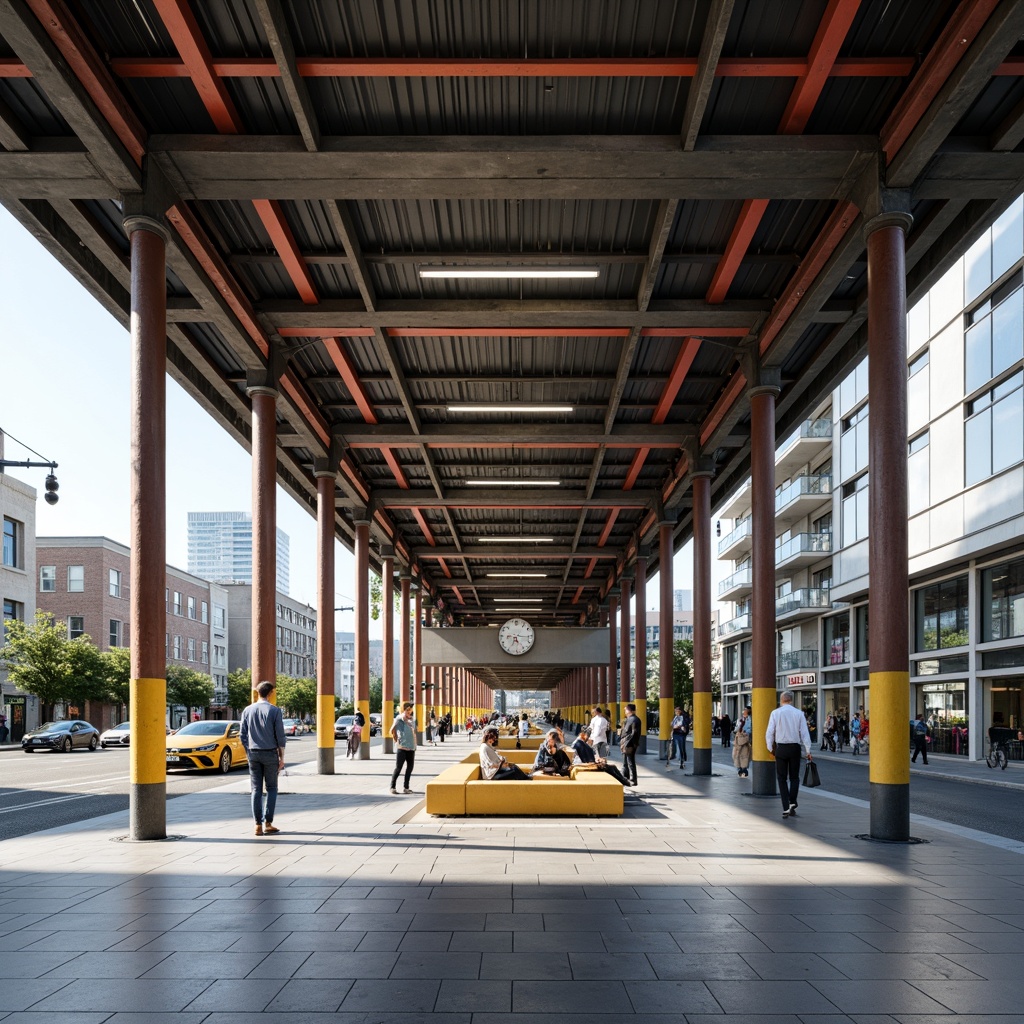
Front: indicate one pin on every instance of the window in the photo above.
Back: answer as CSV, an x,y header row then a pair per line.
x,y
855,510
191,607
76,579
918,482
12,610
941,615
1002,601
12,543
853,445
836,633
994,338
176,649
115,583
862,633
115,633
994,430
191,649
917,392
205,653
177,603
219,616
76,626
47,579
204,614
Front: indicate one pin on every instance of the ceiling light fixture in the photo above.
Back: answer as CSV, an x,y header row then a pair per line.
x,y
510,273
516,540
518,600
520,575
509,407
499,482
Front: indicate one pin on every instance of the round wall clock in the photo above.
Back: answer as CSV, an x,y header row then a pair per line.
x,y
516,636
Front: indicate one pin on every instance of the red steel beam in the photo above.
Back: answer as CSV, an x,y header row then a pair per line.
x,y
350,378
519,332
442,67
722,406
743,230
396,468
424,527
613,514
444,568
272,214
576,597
634,468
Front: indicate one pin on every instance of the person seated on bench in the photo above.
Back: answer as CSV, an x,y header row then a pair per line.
x,y
585,754
551,758
493,766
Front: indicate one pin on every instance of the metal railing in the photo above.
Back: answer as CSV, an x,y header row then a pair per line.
x,y
737,579
792,660
803,543
805,598
741,530
738,625
819,483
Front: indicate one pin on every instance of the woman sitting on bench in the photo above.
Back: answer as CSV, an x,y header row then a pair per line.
x,y
493,766
551,757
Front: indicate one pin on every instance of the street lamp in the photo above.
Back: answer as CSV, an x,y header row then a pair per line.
x,y
50,484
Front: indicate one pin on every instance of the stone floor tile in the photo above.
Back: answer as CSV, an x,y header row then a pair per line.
x,y
977,997
34,964
481,942
640,942
805,967
884,996
592,998
279,965
619,966
700,966
474,996
431,942
419,964
319,995
537,966
162,995
249,994
771,997
107,965
558,942
205,964
378,923
347,965
416,996
324,942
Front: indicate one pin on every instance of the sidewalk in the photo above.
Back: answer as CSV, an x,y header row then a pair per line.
x,y
698,905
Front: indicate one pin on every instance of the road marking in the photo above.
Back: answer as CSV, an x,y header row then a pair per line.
x,y
43,803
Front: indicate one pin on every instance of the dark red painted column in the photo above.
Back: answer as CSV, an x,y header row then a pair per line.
x,y
665,638
624,675
762,483
362,596
417,660
613,656
264,533
325,515
148,683
640,646
387,575
701,623
889,671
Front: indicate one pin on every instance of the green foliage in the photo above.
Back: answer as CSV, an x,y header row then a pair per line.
x,y
240,688
348,708
376,694
377,596
42,660
297,696
117,665
188,688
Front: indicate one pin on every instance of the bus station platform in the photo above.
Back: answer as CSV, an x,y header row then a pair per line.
x,y
697,906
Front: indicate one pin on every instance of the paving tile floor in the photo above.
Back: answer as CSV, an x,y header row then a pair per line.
x,y
699,905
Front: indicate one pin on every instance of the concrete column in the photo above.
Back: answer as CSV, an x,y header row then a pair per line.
x,y
665,652
325,514
264,535
640,647
762,485
889,672
147,758
362,600
702,623
387,574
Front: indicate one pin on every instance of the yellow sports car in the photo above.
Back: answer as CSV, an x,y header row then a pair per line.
x,y
207,744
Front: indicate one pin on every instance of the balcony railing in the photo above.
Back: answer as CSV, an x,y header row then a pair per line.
x,y
800,600
819,483
742,578
803,543
792,660
814,430
741,530
741,624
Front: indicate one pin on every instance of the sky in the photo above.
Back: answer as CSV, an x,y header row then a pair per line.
x,y
64,391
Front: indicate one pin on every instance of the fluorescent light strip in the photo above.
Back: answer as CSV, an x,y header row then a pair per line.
x,y
519,575
519,608
510,407
497,482
510,273
519,600
515,540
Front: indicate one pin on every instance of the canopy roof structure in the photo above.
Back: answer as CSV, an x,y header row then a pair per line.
x,y
692,178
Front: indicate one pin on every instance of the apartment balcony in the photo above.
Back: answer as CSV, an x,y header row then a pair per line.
x,y
801,497
812,439
734,627
736,586
802,550
796,661
801,604
738,503
737,542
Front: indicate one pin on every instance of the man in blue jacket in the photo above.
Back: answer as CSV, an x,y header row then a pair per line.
x,y
262,735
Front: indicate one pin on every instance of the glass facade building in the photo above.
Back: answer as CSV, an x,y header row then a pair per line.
x,y
220,548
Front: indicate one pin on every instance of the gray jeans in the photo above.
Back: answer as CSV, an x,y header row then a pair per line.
x,y
263,769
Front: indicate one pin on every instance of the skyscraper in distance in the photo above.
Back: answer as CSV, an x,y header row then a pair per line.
x,y
220,548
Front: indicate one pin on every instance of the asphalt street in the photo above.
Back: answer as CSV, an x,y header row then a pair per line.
x,y
44,790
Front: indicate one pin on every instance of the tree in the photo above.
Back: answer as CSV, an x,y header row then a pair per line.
x,y
118,670
298,696
42,660
376,694
240,688
188,688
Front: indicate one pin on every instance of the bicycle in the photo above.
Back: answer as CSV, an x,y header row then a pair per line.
x,y
997,755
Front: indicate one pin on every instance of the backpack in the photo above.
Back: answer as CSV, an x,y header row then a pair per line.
x,y
920,729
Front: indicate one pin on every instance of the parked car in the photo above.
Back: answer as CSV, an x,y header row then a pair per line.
x,y
208,744
376,724
342,726
292,727
119,736
62,736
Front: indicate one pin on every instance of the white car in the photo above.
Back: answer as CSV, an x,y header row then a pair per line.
x,y
119,736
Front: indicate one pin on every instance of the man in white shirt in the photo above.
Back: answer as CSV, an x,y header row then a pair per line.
x,y
599,733
786,734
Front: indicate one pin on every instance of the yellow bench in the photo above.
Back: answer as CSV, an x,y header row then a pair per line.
x,y
509,743
459,791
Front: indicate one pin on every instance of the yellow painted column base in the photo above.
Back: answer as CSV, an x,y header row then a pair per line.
x,y
147,753
763,701
666,709
889,757
325,720
701,726
641,713
364,744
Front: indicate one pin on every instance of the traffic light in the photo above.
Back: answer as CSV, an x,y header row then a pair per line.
x,y
51,490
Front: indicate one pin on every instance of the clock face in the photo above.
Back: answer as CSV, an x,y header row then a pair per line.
x,y
516,636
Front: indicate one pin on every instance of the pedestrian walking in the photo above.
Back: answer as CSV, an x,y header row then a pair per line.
x,y
725,728
919,730
786,734
680,730
262,736
629,742
855,731
403,732
742,744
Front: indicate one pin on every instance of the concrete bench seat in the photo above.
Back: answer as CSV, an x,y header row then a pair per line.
x,y
530,743
459,791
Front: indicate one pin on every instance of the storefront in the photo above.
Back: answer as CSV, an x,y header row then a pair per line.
x,y
945,709
1004,704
